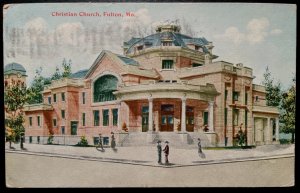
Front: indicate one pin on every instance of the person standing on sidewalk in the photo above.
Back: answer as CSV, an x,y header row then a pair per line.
x,y
100,142
200,152
113,141
166,151
159,150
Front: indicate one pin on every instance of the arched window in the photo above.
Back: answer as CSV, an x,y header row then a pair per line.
x,y
104,88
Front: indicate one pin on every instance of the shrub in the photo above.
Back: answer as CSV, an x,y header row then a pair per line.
x,y
83,141
284,141
50,139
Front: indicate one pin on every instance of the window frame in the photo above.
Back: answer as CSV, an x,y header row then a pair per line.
x,y
63,114
63,97
166,65
115,114
38,120
83,119
105,117
54,122
30,121
54,98
98,117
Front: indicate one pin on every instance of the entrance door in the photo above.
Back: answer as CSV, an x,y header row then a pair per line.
x,y
189,119
74,125
167,118
145,118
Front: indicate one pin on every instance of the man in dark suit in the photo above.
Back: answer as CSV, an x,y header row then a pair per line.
x,y
159,150
166,151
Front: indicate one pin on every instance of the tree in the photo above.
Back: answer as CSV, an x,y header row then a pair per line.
x,y
36,88
15,96
273,91
66,68
56,74
288,107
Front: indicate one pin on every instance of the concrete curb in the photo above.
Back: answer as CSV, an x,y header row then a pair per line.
x,y
150,163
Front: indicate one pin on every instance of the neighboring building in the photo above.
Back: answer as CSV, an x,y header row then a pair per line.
x,y
166,86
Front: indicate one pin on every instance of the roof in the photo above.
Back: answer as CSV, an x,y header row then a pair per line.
x,y
79,74
127,60
156,39
128,65
14,68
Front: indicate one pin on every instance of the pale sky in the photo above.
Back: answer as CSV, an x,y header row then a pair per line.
x,y
257,35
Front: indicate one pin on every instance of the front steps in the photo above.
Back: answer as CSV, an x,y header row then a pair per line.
x,y
175,139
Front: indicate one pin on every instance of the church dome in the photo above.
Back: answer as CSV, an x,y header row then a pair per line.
x,y
166,35
14,68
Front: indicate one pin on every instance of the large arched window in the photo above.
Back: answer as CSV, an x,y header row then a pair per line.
x,y
104,88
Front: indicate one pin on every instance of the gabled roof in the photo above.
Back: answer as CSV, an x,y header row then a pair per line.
x,y
79,74
128,65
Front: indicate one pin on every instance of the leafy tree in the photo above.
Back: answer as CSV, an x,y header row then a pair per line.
x,y
56,74
15,96
273,91
36,88
66,68
288,107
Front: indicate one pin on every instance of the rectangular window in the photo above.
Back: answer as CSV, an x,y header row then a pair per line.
x,y
235,95
62,130
105,117
54,98
49,100
39,120
115,116
54,122
30,121
30,139
246,98
83,98
225,116
167,64
83,119
205,118
167,43
63,114
96,118
63,98
236,116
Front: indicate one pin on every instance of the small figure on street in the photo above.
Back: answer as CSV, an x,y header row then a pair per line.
x,y
100,144
201,154
159,150
205,128
113,140
166,151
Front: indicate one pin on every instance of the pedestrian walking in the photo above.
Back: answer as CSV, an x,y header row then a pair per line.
x,y
159,150
166,151
100,144
200,152
113,140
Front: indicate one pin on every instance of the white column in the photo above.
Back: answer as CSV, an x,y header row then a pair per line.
x,y
119,116
211,116
277,129
150,121
183,114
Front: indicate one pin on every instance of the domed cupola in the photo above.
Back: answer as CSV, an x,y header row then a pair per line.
x,y
166,36
14,68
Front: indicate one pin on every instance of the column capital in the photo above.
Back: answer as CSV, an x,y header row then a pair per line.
x,y
183,99
150,99
211,103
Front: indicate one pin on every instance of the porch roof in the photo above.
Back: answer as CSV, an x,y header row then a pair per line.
x,y
166,90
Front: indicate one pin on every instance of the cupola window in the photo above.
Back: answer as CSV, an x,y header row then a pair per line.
x,y
167,64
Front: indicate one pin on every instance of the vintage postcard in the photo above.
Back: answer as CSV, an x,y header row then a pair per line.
x,y
149,94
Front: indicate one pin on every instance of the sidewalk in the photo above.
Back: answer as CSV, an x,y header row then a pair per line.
x,y
147,155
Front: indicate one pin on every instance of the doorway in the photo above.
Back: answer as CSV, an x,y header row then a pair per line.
x,y
74,125
145,118
167,118
189,119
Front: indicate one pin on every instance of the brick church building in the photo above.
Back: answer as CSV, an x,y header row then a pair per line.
x,y
165,86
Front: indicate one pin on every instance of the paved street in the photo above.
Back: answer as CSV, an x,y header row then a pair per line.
x,y
23,170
